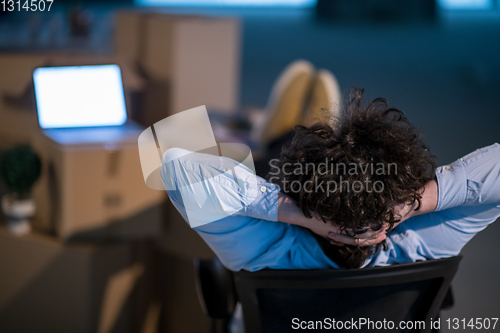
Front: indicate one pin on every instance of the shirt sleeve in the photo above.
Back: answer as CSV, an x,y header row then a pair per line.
x,y
243,209
206,188
468,201
471,180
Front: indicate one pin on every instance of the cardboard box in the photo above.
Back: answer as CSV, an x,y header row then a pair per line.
x,y
94,191
190,60
76,194
49,286
18,118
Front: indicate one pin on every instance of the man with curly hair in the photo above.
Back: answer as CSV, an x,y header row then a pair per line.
x,y
338,196
362,175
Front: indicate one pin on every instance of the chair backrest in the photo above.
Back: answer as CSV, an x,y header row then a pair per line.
x,y
215,288
271,299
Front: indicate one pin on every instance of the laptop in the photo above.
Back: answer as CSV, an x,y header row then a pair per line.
x,y
82,105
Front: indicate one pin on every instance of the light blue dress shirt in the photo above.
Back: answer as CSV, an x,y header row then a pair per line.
x,y
236,213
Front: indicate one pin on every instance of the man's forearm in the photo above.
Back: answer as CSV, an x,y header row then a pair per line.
x,y
289,212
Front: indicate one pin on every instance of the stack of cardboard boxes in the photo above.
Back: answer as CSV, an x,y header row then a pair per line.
x,y
95,193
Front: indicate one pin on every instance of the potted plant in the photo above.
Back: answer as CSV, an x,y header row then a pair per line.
x,y
20,167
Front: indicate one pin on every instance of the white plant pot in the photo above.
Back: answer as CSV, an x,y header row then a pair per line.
x,y
18,212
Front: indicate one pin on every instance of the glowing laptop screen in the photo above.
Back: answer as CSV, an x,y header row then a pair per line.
x,y
80,96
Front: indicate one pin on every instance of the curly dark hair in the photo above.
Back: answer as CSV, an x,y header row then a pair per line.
x,y
373,138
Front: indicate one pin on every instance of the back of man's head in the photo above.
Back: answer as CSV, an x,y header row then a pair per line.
x,y
354,173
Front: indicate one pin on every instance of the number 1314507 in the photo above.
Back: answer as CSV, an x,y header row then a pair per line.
x,y
478,323
26,5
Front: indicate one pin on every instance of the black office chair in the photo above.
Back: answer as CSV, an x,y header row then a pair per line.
x,y
272,298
